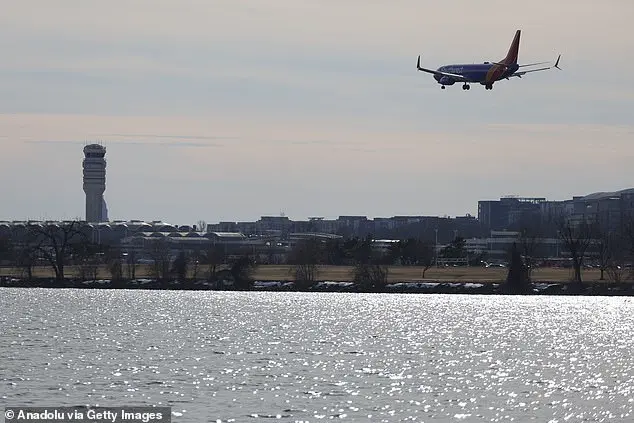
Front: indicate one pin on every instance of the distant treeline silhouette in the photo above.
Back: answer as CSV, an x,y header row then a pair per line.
x,y
63,244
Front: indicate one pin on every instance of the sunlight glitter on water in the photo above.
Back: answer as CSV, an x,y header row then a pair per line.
x,y
231,356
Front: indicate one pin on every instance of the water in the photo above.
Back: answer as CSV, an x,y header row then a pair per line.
x,y
300,357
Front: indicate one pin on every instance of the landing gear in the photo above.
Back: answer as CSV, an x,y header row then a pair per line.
x,y
442,87
488,86
466,87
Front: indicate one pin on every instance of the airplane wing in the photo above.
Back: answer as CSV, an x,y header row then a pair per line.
x,y
454,76
556,65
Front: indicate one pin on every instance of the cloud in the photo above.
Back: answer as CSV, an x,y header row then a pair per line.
x,y
402,27
316,104
189,137
620,130
306,167
192,58
159,143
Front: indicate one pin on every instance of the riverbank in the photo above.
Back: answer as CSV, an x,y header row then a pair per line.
x,y
428,287
342,273
465,280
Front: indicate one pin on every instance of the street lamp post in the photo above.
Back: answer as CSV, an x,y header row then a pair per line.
x,y
436,248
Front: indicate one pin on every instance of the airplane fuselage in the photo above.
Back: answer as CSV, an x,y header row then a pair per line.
x,y
485,74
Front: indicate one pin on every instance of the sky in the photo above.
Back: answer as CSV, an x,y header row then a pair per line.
x,y
228,110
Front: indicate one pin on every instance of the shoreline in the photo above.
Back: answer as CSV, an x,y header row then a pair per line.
x,y
339,273
427,286
331,278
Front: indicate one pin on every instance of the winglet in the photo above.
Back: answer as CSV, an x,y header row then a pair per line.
x,y
418,63
557,62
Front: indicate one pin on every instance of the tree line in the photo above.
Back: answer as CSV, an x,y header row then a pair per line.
x,y
584,241
58,246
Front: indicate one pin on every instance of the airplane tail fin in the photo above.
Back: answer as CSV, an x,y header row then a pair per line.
x,y
511,56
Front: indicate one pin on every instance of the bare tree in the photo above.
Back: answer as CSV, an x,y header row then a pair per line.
x,y
370,272
370,277
379,274
54,243
242,271
413,252
6,246
195,260
114,265
87,257
616,269
25,258
201,226
213,257
604,247
628,238
18,254
179,266
529,237
576,237
305,258
159,252
421,253
427,257
131,259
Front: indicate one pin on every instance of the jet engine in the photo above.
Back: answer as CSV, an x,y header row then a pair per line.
x,y
445,80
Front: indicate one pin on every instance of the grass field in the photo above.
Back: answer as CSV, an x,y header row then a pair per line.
x,y
343,273
406,274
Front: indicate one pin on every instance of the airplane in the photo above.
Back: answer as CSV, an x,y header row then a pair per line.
x,y
487,73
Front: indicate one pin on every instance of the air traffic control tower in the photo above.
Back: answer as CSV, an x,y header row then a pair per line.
x,y
95,182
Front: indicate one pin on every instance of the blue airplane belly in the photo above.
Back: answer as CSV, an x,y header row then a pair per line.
x,y
476,73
